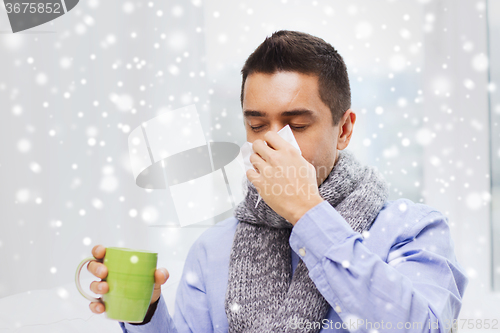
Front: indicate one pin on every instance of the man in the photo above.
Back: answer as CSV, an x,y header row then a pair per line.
x,y
324,250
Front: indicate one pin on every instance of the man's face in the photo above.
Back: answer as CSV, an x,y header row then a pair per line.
x,y
271,101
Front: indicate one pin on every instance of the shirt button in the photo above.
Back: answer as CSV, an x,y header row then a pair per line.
x,y
302,252
337,308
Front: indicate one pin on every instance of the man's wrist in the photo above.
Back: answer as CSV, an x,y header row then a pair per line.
x,y
149,314
300,211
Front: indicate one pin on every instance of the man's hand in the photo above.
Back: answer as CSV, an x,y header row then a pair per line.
x,y
285,180
101,287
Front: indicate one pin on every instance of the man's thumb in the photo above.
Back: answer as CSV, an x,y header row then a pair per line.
x,y
165,274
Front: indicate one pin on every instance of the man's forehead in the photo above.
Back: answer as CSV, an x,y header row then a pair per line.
x,y
283,95
283,87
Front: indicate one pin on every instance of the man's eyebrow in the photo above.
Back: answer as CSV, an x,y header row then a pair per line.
x,y
252,113
297,112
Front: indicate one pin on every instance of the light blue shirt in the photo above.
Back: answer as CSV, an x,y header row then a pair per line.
x,y
402,272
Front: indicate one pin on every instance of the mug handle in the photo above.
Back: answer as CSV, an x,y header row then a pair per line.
x,y
77,280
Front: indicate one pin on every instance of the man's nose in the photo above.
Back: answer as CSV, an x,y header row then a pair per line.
x,y
275,127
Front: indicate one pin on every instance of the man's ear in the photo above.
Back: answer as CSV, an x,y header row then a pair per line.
x,y
346,128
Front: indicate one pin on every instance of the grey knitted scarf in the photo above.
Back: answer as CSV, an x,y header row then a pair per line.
x,y
262,295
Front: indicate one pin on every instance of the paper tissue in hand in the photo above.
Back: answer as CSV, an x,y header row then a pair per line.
x,y
247,149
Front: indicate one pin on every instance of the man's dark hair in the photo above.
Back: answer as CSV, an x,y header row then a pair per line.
x,y
300,52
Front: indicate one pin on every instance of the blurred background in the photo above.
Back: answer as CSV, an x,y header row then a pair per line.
x,y
424,78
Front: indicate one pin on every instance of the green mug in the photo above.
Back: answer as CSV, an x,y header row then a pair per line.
x,y
131,280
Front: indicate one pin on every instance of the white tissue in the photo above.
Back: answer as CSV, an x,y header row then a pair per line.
x,y
247,149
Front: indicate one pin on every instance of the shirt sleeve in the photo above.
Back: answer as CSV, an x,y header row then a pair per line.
x,y
191,304
418,289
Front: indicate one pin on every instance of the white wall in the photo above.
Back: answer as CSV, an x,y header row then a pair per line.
x,y
457,162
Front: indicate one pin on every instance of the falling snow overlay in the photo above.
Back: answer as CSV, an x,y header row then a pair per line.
x,y
424,89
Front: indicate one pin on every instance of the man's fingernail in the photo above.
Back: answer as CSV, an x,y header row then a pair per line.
x,y
164,274
99,270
